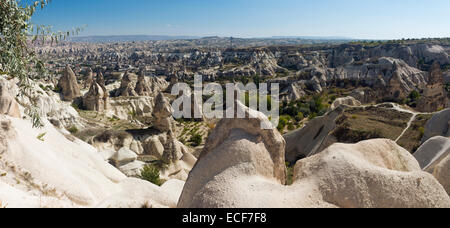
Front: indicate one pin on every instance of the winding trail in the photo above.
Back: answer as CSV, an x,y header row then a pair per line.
x,y
413,118
407,127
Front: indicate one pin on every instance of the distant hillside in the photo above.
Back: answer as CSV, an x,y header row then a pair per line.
x,y
127,38
265,40
313,37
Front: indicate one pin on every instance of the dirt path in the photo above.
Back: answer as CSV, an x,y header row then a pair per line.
x,y
414,115
407,127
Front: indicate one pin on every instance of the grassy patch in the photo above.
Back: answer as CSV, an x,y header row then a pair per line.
x,y
412,138
289,173
358,124
73,130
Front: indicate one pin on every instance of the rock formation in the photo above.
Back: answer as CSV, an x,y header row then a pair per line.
x,y
101,82
95,99
127,108
236,146
434,97
142,86
126,161
163,114
69,85
58,172
434,157
350,101
396,88
312,138
89,79
242,166
438,125
126,87
8,105
442,173
150,86
432,152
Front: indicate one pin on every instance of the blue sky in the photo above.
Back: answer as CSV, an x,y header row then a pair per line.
x,y
365,19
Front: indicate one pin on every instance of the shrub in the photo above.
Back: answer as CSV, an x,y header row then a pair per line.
x,y
196,140
291,127
73,130
414,96
282,123
422,132
290,174
151,174
299,117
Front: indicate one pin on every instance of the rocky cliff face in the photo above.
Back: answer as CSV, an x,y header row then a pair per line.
x,y
8,104
435,96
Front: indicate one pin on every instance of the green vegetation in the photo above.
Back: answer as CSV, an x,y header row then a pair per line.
x,y
293,113
284,120
73,130
411,100
17,60
412,138
289,173
358,124
41,137
196,140
132,113
151,174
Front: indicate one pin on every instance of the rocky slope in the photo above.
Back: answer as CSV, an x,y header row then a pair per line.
x,y
248,172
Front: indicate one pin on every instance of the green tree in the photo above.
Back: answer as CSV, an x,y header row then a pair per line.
x,y
414,95
17,36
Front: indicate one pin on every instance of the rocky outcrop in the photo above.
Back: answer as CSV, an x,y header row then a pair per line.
x,y
397,88
150,86
54,171
46,103
242,166
124,156
163,114
292,92
438,125
142,86
434,96
434,157
442,173
154,147
369,70
382,175
69,85
349,101
8,105
432,152
312,138
128,108
126,87
89,79
96,99
101,82
239,149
